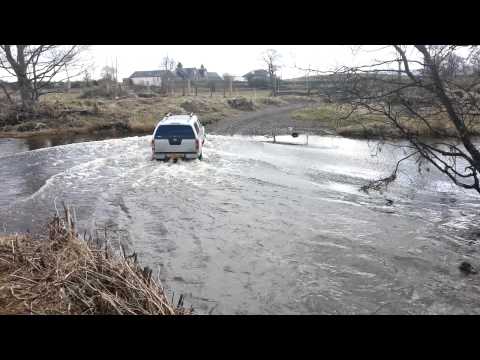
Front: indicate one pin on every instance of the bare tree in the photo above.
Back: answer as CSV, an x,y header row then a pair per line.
x,y
168,64
182,74
88,72
271,58
108,73
36,66
435,88
87,78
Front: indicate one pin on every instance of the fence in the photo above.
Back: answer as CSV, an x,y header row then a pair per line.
x,y
238,88
203,88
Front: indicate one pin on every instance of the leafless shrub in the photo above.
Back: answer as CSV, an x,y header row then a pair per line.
x,y
241,103
432,88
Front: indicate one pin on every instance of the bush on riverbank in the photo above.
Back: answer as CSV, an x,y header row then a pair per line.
x,y
66,275
241,103
196,106
276,101
104,91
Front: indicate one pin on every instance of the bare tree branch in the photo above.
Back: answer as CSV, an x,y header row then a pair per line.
x,y
438,92
35,66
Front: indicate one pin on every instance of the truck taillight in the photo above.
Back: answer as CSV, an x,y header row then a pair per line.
x,y
153,145
197,144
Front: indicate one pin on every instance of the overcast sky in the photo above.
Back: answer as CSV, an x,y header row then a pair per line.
x,y
233,59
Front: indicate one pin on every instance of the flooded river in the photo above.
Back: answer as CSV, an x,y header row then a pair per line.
x,y
262,228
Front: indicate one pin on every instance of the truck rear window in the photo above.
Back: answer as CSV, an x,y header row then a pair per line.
x,y
168,131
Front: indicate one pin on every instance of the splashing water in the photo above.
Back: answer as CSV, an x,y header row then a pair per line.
x,y
264,228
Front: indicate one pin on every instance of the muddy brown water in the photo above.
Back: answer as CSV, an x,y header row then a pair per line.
x,y
261,228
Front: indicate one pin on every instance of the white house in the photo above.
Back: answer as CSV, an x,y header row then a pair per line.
x,y
154,77
149,78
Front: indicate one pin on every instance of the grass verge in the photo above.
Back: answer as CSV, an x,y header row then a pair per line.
x,y
364,125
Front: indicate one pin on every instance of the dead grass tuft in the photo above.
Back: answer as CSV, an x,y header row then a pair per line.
x,y
66,275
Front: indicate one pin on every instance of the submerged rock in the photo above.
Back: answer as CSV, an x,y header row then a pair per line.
x,y
467,268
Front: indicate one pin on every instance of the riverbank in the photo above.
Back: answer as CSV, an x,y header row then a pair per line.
x,y
68,115
360,125
64,274
63,114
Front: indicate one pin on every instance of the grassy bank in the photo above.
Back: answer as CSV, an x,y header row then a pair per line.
x,y
363,125
64,274
73,113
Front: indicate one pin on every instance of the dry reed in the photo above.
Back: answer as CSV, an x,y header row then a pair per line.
x,y
64,274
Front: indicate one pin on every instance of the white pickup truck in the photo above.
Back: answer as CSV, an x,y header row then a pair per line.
x,y
178,137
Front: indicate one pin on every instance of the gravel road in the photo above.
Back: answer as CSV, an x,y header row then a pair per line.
x,y
261,122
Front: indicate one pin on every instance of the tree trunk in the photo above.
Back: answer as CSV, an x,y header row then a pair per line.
x,y
20,68
163,85
4,88
274,88
26,92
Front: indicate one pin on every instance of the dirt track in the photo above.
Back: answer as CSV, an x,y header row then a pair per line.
x,y
260,122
